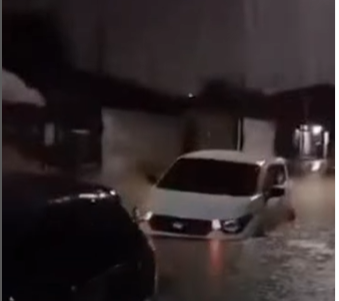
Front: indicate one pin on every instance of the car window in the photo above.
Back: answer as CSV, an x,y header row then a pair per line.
x,y
212,177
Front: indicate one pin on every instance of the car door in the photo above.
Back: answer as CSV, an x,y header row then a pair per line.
x,y
276,184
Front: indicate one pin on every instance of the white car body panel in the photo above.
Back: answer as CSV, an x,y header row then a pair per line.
x,y
218,235
199,206
209,207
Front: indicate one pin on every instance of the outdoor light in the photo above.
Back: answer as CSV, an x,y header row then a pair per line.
x,y
317,129
190,95
316,165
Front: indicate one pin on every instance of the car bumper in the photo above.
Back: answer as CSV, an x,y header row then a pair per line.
x,y
249,231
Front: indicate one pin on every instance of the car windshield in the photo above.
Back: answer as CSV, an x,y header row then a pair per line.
x,y
212,177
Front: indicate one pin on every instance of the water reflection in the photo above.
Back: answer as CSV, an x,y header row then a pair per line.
x,y
294,262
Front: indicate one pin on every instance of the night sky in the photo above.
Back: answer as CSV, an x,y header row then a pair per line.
x,y
177,45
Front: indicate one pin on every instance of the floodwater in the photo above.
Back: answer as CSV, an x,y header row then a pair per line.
x,y
295,262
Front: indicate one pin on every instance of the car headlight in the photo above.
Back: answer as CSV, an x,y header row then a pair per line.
x,y
216,225
234,226
147,216
231,226
139,217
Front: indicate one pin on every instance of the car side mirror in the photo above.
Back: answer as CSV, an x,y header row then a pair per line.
x,y
276,192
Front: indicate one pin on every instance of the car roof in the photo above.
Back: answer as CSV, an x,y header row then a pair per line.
x,y
232,156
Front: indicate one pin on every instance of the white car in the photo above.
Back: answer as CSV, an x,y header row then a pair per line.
x,y
215,194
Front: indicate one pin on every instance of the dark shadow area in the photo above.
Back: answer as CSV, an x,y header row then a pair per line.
x,y
35,49
32,45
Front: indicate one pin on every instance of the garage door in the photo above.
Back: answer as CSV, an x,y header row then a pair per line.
x,y
259,137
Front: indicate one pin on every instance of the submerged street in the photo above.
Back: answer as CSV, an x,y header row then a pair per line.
x,y
123,119
294,262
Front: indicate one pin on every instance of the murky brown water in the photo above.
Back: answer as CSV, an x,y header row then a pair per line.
x,y
295,261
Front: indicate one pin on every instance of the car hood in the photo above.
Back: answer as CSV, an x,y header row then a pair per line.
x,y
198,206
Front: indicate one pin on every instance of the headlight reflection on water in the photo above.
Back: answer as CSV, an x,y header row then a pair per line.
x,y
215,257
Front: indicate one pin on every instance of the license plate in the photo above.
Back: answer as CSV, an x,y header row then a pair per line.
x,y
178,226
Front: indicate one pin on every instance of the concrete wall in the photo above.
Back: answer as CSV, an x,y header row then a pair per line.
x,y
259,137
211,129
134,144
151,142
140,138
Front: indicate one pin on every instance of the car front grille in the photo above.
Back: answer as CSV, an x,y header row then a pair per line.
x,y
180,225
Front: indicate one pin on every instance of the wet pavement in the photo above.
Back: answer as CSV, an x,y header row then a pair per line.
x,y
295,262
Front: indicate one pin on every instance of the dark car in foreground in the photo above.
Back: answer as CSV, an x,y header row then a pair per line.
x,y
67,240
